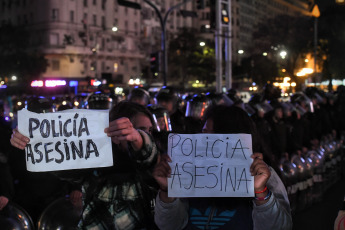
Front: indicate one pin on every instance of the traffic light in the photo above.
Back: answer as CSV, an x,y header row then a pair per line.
x,y
154,62
225,15
200,4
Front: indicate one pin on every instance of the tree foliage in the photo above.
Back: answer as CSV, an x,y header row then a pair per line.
x,y
292,34
188,60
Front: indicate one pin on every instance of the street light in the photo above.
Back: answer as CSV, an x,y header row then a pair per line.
x,y
283,54
202,43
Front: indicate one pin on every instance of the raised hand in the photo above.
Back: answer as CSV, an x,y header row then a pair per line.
x,y
122,130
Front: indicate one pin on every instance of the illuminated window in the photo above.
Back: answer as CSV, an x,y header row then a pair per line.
x,y
116,67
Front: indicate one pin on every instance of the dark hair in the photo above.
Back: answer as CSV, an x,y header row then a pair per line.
x,y
231,119
129,109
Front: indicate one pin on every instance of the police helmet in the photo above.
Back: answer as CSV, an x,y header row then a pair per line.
x,y
139,95
219,99
234,96
167,93
302,102
60,214
197,105
13,216
161,118
40,105
99,100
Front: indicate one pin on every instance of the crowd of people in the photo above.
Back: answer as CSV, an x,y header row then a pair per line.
x,y
132,194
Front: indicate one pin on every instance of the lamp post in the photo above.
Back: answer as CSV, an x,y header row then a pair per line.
x,y
163,21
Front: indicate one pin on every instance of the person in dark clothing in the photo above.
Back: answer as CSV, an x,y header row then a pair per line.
x,y
119,197
168,98
226,212
279,132
296,133
6,181
34,191
264,133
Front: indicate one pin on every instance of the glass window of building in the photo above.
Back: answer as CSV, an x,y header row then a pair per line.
x,y
103,23
71,16
85,3
55,65
94,20
55,14
54,39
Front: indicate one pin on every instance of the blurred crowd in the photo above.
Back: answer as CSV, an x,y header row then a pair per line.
x,y
301,138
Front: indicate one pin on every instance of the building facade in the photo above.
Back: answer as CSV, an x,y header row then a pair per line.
x,y
247,14
101,39
92,39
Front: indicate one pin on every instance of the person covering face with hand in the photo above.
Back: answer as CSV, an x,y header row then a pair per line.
x,y
270,208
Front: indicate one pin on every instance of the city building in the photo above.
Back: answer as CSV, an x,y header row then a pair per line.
x,y
108,41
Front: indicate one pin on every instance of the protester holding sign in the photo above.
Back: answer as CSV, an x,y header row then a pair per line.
x,y
34,191
118,197
269,209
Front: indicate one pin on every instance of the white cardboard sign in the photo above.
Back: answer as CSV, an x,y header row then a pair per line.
x,y
70,139
210,165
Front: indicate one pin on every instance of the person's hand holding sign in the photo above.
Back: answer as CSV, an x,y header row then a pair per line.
x,y
18,140
121,130
3,202
261,173
161,173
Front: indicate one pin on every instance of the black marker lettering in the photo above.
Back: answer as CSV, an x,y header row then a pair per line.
x,y
88,149
191,144
176,172
53,129
38,152
172,142
29,154
65,133
57,149
47,151
32,121
68,156
210,173
220,154
83,122
197,175
191,175
76,150
45,125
